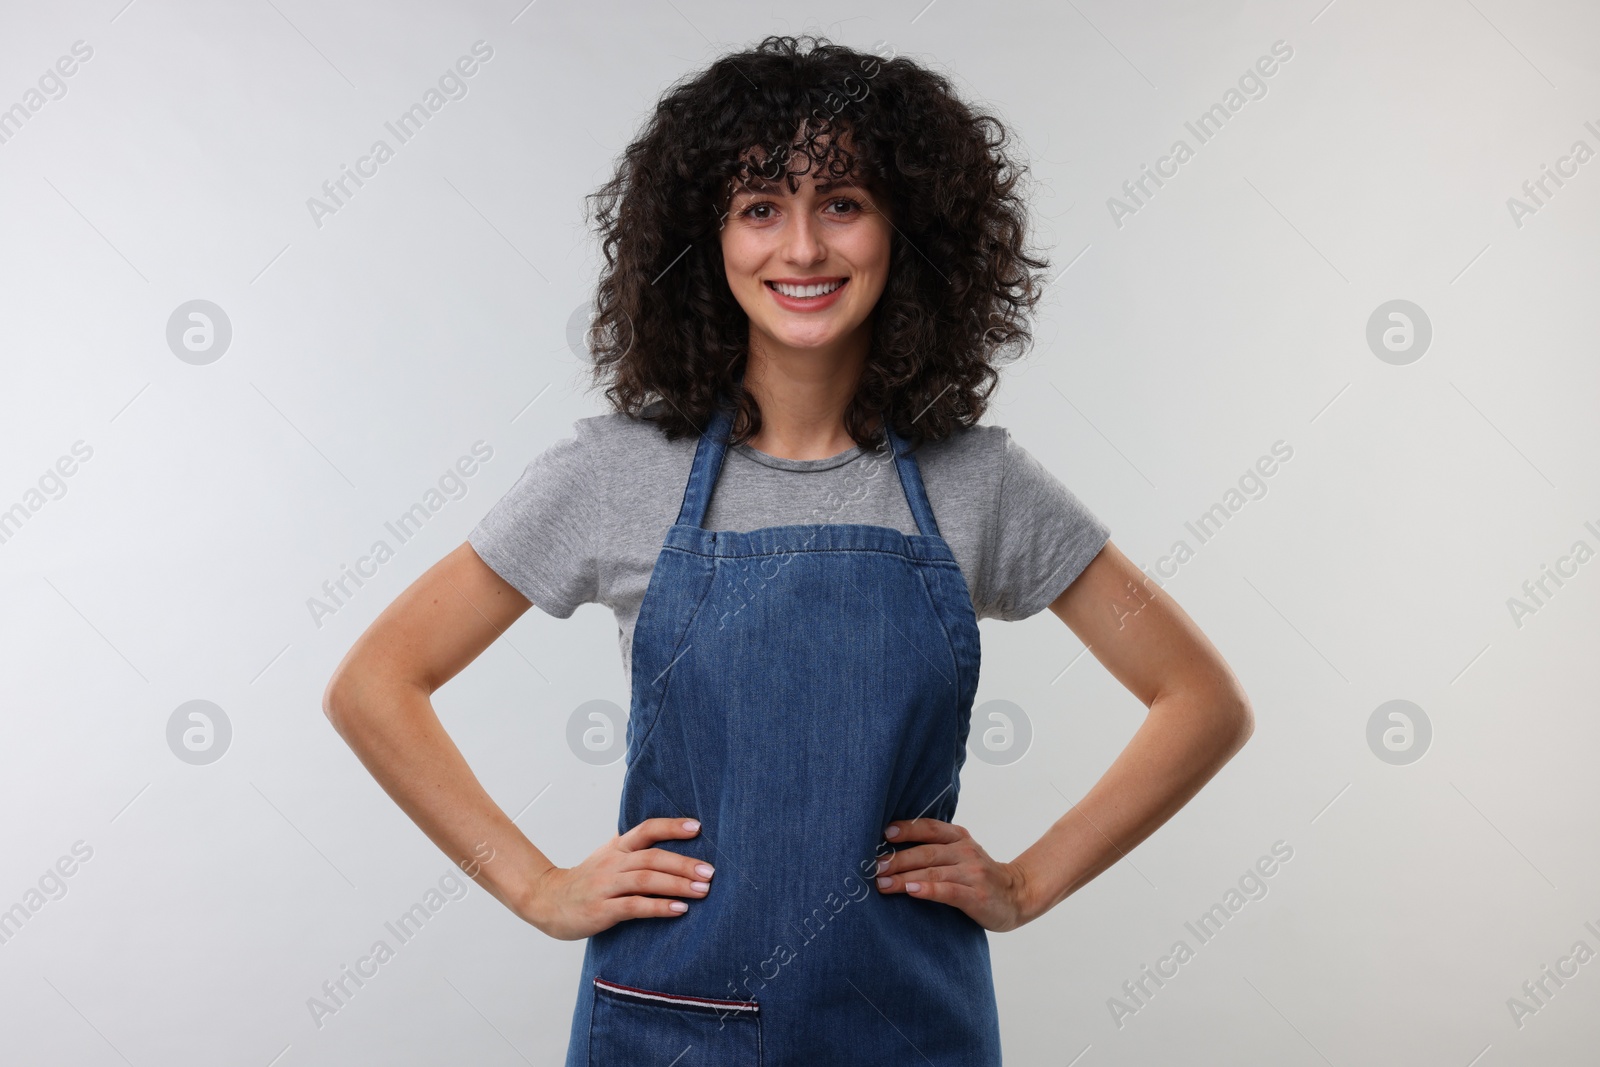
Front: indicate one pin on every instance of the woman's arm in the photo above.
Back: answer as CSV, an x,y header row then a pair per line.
x,y
379,701
1199,717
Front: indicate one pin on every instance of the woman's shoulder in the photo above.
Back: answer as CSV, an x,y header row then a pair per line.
x,y
611,430
602,456
973,451
616,449
990,456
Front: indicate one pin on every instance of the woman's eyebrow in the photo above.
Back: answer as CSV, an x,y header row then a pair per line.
x,y
763,185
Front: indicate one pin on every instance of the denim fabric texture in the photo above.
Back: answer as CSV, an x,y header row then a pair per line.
x,y
796,689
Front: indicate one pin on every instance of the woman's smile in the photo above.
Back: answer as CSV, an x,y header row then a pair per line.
x,y
809,294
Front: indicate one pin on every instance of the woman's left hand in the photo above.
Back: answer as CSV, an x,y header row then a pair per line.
x,y
953,869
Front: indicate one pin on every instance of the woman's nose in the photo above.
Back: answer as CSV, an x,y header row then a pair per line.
x,y
804,242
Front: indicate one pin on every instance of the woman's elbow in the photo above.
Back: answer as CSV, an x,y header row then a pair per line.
x,y
341,701
369,691
1238,721
335,699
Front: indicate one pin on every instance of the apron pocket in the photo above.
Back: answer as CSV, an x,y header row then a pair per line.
x,y
634,1027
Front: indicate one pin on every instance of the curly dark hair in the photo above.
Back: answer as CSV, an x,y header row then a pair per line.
x,y
961,282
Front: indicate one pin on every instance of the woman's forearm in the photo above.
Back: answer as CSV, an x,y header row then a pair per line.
x,y
1185,739
394,731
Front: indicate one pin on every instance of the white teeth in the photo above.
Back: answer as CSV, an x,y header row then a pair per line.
x,y
803,291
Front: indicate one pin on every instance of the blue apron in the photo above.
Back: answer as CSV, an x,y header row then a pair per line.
x,y
796,689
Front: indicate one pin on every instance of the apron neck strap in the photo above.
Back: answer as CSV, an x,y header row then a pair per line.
x,y
911,481
707,464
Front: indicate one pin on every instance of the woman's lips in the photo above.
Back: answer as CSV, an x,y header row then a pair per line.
x,y
806,303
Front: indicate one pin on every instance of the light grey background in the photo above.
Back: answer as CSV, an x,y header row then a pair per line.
x,y
432,310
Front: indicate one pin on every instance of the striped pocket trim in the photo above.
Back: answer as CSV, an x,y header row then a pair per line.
x,y
655,997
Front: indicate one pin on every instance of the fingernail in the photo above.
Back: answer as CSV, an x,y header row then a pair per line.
x,y
692,824
699,887
881,865
912,887
885,883
677,905
704,870
892,832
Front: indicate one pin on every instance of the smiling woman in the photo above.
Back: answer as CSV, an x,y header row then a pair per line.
x,y
798,520
766,167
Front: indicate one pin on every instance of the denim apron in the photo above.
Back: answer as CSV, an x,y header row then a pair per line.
x,y
796,689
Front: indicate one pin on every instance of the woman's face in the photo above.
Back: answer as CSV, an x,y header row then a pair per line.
x,y
807,266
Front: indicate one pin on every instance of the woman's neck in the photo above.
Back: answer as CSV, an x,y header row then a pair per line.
x,y
803,398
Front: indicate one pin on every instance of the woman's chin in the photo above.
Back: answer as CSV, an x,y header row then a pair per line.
x,y
813,337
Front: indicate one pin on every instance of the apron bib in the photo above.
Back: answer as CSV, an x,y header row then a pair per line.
x,y
796,689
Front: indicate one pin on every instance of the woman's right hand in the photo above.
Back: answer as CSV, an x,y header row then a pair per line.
x,y
622,879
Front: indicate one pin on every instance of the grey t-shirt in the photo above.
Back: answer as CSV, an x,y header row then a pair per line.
x,y
585,521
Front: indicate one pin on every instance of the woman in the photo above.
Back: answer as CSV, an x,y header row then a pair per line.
x,y
815,263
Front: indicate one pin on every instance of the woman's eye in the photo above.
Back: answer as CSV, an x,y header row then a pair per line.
x,y
760,210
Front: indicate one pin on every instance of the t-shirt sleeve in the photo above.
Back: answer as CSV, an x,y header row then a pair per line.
x,y
540,536
1043,538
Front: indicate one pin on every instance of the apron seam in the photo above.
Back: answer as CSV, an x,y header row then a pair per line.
x,y
956,754
912,557
589,1042
661,702
955,667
